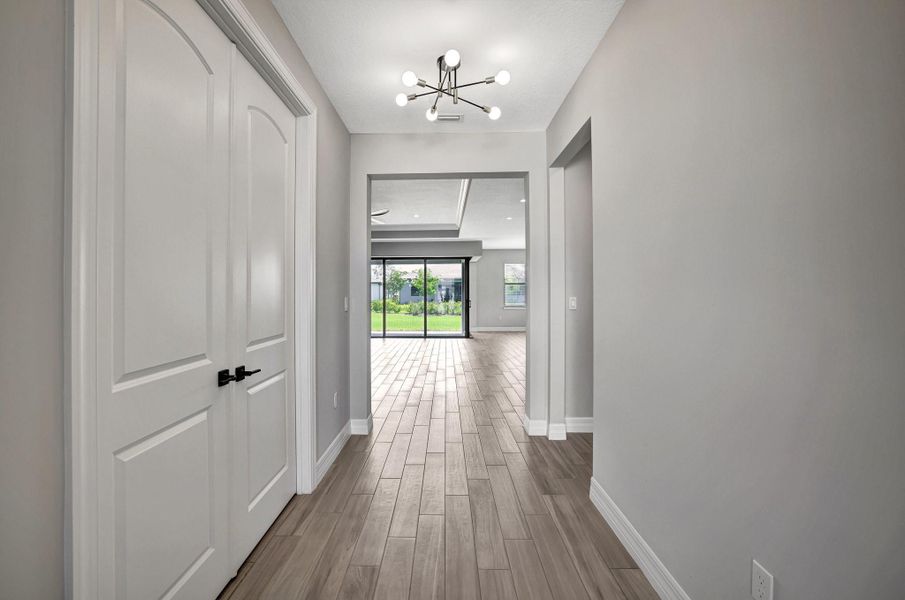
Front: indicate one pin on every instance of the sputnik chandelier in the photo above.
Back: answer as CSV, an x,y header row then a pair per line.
x,y
448,85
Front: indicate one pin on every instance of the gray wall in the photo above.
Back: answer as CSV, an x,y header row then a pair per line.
x,y
31,299
749,285
487,292
579,276
333,156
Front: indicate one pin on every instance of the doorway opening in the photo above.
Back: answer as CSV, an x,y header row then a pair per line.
x,y
579,291
448,263
419,297
572,275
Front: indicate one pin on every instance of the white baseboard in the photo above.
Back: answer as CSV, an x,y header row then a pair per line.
x,y
580,424
536,427
495,329
326,459
556,431
362,426
652,567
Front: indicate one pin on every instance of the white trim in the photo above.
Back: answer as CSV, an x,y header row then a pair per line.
x,y
83,33
556,238
653,568
496,329
329,456
362,426
80,511
306,305
239,26
463,199
535,427
556,431
580,424
557,252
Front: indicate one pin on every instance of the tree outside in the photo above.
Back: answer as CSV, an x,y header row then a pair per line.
x,y
397,280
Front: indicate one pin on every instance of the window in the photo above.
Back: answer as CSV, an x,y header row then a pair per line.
x,y
514,285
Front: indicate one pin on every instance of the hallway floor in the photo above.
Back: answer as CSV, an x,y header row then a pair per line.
x,y
447,497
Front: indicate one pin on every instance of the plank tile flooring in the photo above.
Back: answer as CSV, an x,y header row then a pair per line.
x,y
447,497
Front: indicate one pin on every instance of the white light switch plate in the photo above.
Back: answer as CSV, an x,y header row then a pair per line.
x,y
346,303
573,303
761,582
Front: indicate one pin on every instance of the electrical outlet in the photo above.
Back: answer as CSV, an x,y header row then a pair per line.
x,y
335,396
761,582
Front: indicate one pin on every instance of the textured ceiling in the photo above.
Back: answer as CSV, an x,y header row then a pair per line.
x,y
358,50
494,212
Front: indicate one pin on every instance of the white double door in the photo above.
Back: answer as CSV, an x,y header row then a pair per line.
x,y
195,275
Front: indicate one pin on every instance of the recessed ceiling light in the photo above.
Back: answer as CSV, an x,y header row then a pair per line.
x,y
508,218
417,216
522,200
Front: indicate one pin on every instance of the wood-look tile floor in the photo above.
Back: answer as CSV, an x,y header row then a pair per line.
x,y
447,497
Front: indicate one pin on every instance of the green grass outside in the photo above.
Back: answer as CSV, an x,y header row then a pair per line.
x,y
399,322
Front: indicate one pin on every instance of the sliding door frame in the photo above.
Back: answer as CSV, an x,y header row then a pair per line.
x,y
466,295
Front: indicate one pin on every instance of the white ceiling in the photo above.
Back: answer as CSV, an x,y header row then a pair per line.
x,y
358,50
493,213
419,202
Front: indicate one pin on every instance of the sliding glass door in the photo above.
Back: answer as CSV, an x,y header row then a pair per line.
x,y
445,283
376,298
419,297
404,304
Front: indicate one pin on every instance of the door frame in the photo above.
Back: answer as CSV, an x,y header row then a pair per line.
x,y
80,277
556,414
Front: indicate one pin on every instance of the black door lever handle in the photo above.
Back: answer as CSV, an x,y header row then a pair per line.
x,y
242,372
223,377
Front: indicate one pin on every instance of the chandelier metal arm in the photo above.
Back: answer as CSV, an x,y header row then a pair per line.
x,y
445,93
440,92
457,87
465,85
469,102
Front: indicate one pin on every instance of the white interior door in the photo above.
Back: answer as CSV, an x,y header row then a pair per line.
x,y
262,247
162,301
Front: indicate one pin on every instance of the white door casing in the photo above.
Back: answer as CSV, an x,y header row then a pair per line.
x,y
146,424
161,301
262,245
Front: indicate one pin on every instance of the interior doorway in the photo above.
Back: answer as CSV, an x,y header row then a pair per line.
x,y
572,277
447,262
579,290
423,297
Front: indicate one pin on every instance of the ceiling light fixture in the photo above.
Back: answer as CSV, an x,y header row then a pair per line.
x,y
448,85
522,200
378,213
